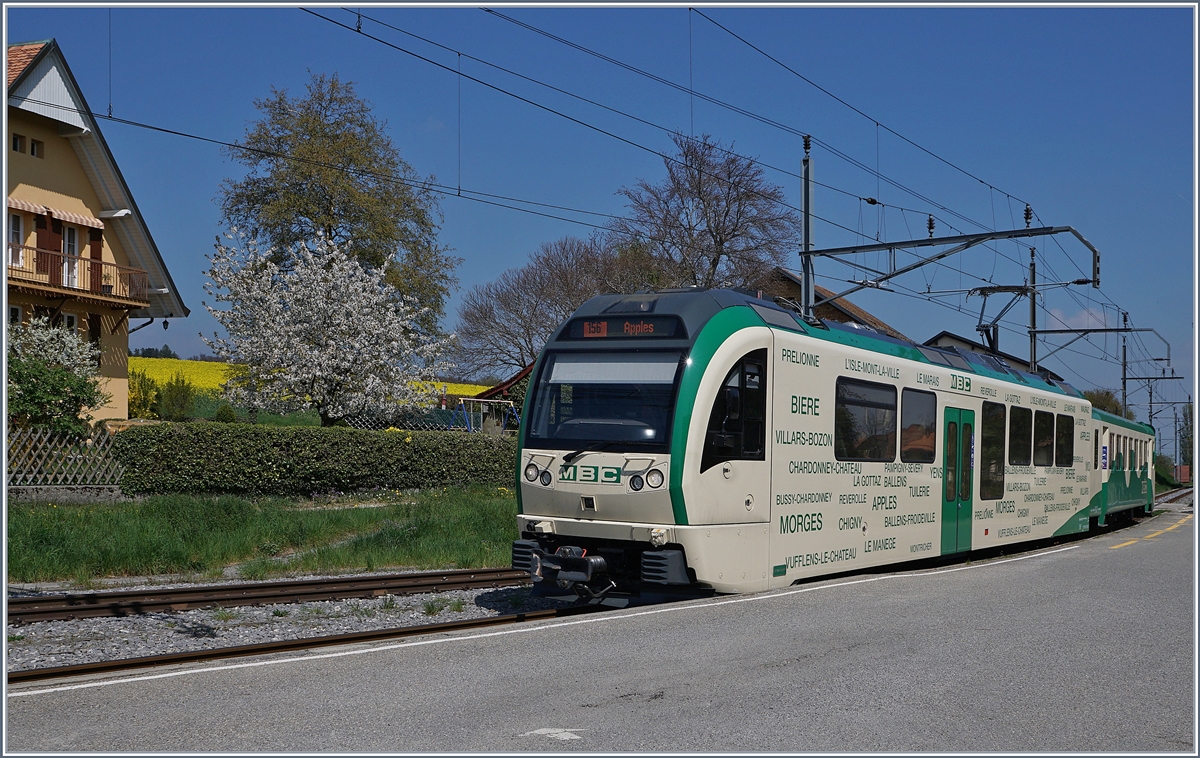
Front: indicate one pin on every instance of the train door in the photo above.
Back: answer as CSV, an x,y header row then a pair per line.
x,y
958,470
735,473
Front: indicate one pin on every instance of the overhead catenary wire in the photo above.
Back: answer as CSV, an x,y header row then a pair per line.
x,y
619,112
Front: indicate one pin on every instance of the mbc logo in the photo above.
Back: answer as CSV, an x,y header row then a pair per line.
x,y
590,474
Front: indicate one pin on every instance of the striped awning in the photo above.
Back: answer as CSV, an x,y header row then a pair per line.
x,y
68,216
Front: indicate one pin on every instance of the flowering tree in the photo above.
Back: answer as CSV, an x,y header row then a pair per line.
x,y
326,333
53,377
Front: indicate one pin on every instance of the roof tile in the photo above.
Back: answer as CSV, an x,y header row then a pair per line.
x,y
20,56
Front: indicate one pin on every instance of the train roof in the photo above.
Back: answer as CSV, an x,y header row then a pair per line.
x,y
1115,420
695,306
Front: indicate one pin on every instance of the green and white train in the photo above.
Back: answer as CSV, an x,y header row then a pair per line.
x,y
709,440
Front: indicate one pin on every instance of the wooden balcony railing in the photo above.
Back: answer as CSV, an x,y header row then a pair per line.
x,y
78,274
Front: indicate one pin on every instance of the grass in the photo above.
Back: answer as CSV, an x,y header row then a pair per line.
x,y
470,527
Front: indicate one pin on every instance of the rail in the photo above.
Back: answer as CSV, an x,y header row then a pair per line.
x,y
282,646
27,610
76,273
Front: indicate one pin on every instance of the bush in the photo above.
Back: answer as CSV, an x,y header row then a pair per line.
x,y
264,460
47,395
176,398
143,395
226,414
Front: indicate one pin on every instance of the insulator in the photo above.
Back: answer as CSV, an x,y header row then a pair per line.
x,y
931,225
1028,215
872,201
807,143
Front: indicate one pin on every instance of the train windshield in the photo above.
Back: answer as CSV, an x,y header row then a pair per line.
x,y
610,400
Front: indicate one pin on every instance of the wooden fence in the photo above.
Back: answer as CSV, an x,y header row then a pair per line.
x,y
38,456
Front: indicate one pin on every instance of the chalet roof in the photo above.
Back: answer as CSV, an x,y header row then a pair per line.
x,y
848,308
501,389
20,56
41,82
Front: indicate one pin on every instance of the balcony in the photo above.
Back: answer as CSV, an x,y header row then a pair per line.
x,y
55,273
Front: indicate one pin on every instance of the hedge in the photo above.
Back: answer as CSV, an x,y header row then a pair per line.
x,y
265,460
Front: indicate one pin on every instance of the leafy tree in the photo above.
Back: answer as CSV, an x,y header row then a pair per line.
x,y
326,333
714,221
153,352
504,324
1107,401
143,395
53,377
1185,435
176,398
322,167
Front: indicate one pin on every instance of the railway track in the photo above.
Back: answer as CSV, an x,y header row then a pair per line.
x,y
285,646
26,610
1171,497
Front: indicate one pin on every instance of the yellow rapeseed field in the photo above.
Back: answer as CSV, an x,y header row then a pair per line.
x,y
209,375
204,375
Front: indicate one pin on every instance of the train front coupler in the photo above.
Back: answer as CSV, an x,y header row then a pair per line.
x,y
571,568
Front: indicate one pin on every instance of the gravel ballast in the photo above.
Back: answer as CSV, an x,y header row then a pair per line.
x,y
66,643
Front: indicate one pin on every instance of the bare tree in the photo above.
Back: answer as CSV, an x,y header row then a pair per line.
x,y
504,324
714,221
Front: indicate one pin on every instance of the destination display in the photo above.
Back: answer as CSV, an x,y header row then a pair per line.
x,y
626,327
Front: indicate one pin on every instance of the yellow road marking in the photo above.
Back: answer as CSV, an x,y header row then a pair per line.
x,y
1123,544
1148,536
1181,522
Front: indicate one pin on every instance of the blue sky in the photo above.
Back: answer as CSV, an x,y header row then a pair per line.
x,y
1085,113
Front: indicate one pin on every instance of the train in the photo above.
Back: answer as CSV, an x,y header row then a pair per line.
x,y
714,441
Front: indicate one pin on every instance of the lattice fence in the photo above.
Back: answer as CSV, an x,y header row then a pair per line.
x,y
38,456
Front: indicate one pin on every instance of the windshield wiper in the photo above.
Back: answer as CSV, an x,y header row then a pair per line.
x,y
595,448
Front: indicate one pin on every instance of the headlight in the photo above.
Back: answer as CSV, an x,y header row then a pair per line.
x,y
636,483
546,478
654,478
531,472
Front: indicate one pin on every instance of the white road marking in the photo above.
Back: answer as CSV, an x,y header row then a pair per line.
x,y
599,618
556,734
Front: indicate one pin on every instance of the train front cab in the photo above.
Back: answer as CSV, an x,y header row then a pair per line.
x,y
644,464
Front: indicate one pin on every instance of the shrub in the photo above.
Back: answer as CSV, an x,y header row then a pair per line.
x,y
263,460
143,395
176,398
46,395
225,414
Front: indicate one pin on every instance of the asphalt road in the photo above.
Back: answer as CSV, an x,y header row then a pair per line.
x,y
1088,646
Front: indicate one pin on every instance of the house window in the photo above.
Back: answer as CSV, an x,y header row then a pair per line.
x,y
18,143
70,321
37,148
15,314
70,256
16,238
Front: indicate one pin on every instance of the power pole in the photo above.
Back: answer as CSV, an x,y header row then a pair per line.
x,y
1033,310
806,261
1124,356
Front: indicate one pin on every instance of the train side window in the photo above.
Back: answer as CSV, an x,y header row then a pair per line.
x,y
918,426
864,427
1020,437
991,443
1064,441
737,423
1043,439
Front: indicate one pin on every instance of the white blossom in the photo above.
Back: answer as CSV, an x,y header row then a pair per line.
x,y
326,333
56,345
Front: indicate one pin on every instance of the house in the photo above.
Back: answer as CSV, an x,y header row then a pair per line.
x,y
788,284
79,250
